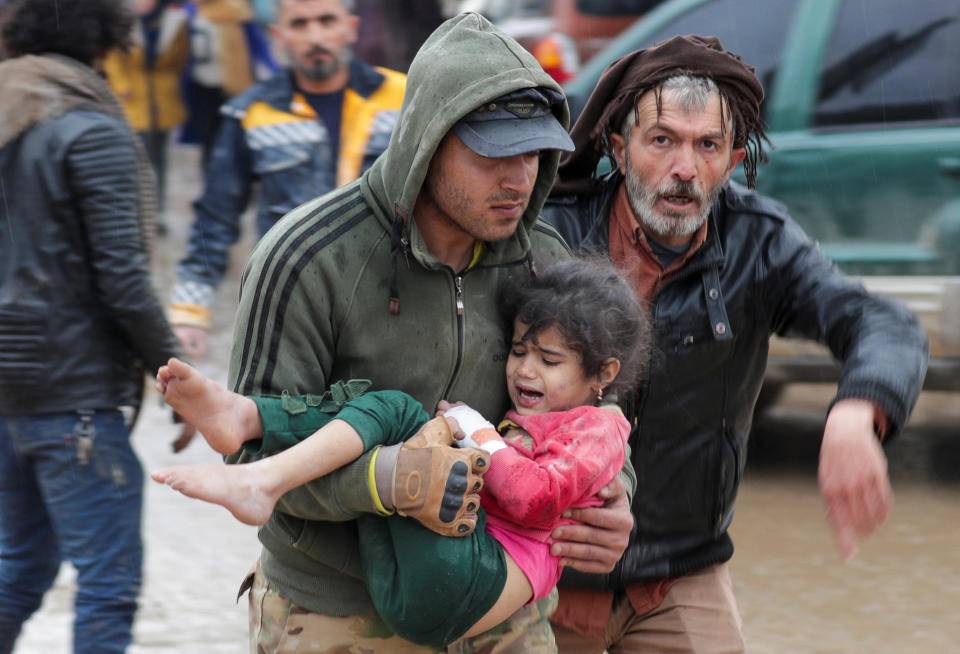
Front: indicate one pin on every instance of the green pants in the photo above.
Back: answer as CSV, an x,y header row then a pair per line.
x,y
428,588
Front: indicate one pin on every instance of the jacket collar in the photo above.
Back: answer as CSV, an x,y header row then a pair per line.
x,y
279,90
364,78
37,88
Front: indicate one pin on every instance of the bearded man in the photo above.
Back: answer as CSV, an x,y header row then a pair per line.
x,y
722,269
310,128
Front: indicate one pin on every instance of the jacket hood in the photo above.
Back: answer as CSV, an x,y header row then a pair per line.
x,y
34,89
37,88
465,63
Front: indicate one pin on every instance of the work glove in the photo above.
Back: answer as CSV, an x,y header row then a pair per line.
x,y
438,484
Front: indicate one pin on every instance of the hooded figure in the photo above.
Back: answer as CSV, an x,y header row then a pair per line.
x,y
346,287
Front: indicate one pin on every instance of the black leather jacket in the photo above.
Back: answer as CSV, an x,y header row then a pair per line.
x,y
756,274
79,319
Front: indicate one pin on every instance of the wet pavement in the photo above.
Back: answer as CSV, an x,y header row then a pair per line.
x,y
900,596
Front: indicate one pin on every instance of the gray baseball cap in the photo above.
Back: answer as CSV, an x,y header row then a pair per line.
x,y
515,123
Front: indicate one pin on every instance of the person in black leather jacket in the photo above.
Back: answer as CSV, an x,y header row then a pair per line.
x,y
722,269
79,321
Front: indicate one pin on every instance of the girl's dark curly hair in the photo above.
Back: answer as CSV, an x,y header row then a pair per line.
x,y
595,310
80,29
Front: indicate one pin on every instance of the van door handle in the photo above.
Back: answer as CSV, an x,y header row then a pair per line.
x,y
950,166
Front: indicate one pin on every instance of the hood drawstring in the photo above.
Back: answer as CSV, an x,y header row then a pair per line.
x,y
531,266
396,248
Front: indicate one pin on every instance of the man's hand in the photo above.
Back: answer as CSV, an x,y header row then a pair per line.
x,y
597,544
853,475
193,340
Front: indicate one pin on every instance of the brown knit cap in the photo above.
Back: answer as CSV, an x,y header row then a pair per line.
x,y
629,77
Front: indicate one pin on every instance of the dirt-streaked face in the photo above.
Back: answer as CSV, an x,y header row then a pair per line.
x,y
484,197
544,375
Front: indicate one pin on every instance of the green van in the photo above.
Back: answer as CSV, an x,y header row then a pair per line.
x,y
863,109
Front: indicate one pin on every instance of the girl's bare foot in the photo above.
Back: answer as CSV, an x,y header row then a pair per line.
x,y
226,420
243,489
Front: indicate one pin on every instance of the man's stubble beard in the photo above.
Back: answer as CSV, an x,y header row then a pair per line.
x,y
323,71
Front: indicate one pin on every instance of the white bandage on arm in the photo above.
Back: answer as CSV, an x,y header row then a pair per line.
x,y
479,432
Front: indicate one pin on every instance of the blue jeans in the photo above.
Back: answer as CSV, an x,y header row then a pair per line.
x,y
71,488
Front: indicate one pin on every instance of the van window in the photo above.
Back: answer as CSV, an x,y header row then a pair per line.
x,y
755,31
891,61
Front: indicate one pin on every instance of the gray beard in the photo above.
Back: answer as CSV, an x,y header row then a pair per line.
x,y
643,201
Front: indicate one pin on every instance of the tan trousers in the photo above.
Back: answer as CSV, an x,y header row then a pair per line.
x,y
698,615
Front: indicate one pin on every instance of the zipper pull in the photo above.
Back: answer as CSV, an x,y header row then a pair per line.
x,y
458,281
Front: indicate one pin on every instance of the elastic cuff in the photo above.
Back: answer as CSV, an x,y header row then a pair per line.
x,y
890,404
189,315
372,484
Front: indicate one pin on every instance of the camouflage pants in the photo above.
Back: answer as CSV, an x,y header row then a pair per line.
x,y
278,626
526,631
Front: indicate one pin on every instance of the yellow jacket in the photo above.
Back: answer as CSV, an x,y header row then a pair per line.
x,y
152,97
220,24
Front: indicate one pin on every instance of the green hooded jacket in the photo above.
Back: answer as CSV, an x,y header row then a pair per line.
x,y
315,303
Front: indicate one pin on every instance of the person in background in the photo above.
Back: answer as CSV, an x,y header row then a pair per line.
x,y
722,269
228,53
308,129
147,77
79,321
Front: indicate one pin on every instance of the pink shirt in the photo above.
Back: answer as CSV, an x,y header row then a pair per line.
x,y
559,460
